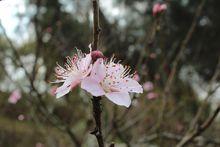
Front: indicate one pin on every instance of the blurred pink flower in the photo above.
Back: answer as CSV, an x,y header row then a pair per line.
x,y
39,144
136,77
14,97
75,70
148,86
21,117
152,95
112,80
159,8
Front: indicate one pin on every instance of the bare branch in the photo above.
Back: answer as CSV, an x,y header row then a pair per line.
x,y
199,130
172,74
96,101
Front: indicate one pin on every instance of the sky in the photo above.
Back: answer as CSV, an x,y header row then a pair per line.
x,y
8,9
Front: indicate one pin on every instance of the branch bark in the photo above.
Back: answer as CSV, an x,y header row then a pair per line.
x,y
96,27
96,101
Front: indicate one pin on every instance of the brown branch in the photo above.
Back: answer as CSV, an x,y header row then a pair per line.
x,y
96,27
176,137
38,39
193,129
199,130
209,94
96,101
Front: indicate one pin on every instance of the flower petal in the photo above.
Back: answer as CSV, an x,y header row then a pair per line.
x,y
119,98
86,61
129,85
99,70
63,90
92,86
69,83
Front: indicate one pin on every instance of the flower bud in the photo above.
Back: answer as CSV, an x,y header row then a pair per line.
x,y
159,8
96,55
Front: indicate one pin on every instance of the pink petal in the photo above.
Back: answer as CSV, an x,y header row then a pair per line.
x,y
92,86
99,70
119,98
86,61
130,85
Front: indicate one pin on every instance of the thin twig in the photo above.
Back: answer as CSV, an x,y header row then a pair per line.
x,y
41,105
209,94
96,27
199,130
97,116
172,74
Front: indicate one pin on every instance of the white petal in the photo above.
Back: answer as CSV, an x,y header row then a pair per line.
x,y
92,86
99,70
119,98
67,85
86,61
130,85
61,91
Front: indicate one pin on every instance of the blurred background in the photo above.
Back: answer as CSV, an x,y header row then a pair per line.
x,y
175,54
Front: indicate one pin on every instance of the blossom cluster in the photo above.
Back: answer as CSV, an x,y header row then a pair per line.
x,y
98,76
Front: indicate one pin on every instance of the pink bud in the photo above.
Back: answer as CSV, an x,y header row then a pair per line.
x,y
159,8
163,7
96,55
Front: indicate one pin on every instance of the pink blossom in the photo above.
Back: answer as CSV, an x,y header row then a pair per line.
x,y
152,95
159,8
75,70
148,86
14,97
112,80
